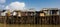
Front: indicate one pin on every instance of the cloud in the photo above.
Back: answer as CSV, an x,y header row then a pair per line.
x,y
15,6
2,1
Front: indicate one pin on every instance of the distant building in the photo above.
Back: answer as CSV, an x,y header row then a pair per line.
x,y
23,13
30,12
40,13
16,13
3,13
51,11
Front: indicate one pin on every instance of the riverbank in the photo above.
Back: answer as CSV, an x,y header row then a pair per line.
x,y
27,25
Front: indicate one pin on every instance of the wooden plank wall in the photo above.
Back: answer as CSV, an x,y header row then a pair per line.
x,y
30,20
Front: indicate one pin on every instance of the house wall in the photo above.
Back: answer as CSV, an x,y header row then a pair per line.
x,y
23,14
42,14
59,12
51,12
19,14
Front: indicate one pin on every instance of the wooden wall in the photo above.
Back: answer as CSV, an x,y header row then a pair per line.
x,y
30,19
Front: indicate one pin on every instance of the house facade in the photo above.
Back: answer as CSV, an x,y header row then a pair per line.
x,y
51,11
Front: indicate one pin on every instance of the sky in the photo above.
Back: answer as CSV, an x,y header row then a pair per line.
x,y
37,4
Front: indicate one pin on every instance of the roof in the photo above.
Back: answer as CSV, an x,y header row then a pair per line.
x,y
50,9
